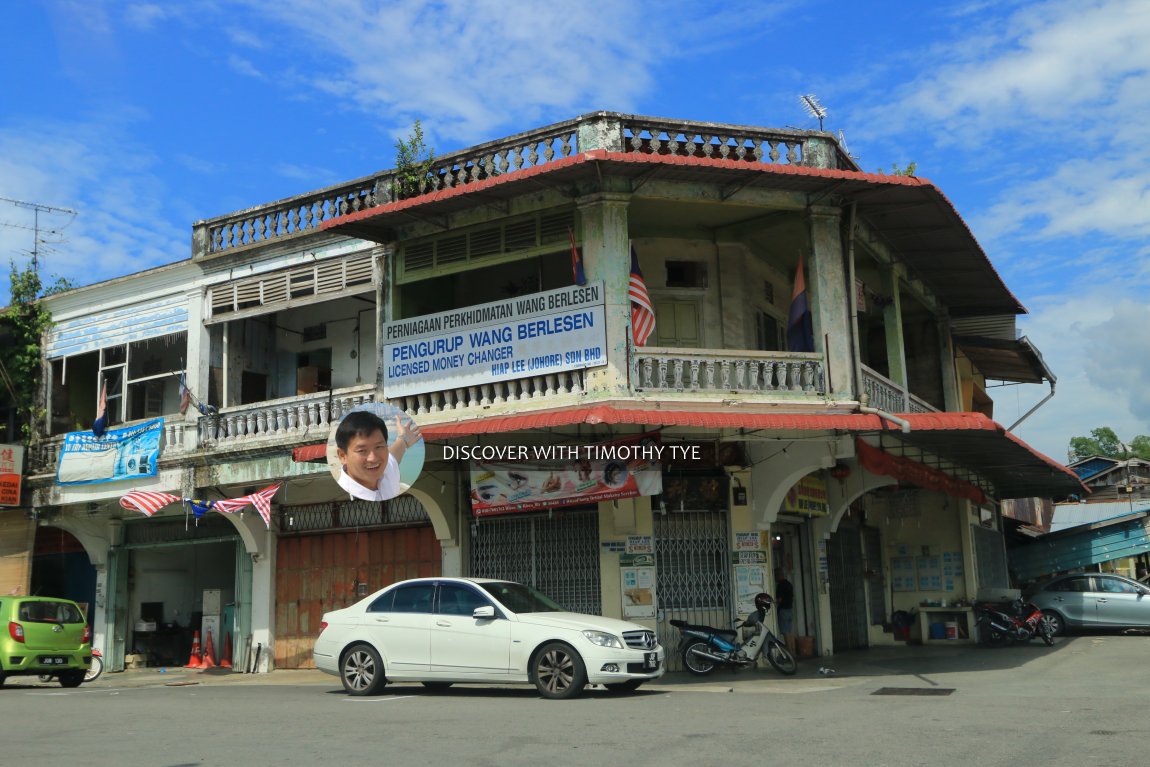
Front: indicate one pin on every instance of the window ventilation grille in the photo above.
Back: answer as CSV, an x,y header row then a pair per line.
x,y
324,278
487,242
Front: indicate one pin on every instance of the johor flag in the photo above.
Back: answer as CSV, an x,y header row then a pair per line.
x,y
101,422
642,313
800,332
576,262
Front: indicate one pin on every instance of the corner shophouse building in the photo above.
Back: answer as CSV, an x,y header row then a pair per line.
x,y
908,319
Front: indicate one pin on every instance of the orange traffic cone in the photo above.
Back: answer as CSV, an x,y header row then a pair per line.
x,y
209,651
194,661
226,660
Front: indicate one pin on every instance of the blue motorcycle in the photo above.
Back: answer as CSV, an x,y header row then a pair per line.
x,y
705,648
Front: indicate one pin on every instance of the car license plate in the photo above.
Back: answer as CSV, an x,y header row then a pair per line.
x,y
651,660
53,660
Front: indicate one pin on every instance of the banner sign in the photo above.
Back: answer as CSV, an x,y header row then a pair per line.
x,y
604,471
128,453
11,472
808,496
532,335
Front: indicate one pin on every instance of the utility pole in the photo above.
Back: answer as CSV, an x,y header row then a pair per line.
x,y
37,209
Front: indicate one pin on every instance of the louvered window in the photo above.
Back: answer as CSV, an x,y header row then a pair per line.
x,y
300,284
488,243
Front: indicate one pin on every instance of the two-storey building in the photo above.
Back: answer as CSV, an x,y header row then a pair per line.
x,y
862,460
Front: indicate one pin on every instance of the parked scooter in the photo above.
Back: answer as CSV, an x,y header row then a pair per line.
x,y
1020,622
94,669
704,648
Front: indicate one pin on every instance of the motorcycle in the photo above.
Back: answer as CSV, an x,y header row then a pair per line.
x,y
1020,622
705,648
95,668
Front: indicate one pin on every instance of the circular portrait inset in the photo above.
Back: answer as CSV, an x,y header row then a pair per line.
x,y
375,452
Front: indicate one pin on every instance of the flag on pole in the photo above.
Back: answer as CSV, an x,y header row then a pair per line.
x,y
147,503
262,500
577,273
100,425
185,395
642,313
800,331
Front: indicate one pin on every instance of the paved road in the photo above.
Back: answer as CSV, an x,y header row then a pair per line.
x,y
1083,701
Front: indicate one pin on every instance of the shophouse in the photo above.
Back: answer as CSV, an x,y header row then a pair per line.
x,y
859,456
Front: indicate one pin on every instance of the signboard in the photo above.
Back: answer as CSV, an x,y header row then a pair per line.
x,y
11,471
807,497
638,587
532,335
749,541
750,580
128,453
605,471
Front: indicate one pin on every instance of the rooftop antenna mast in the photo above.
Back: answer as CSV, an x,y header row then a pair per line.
x,y
37,209
814,108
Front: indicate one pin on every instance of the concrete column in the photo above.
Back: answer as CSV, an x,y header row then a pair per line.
x,y
951,394
383,268
607,257
892,324
199,361
827,284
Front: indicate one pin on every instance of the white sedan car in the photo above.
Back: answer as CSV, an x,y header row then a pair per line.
x,y
439,631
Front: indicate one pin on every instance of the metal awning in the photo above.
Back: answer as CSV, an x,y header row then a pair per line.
x,y
1016,361
909,213
968,440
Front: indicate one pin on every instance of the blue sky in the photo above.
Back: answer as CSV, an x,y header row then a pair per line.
x,y
1030,116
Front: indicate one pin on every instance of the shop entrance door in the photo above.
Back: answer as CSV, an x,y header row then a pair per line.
x,y
847,588
693,574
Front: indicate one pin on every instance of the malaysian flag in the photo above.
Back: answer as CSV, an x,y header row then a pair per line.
x,y
147,503
642,313
261,499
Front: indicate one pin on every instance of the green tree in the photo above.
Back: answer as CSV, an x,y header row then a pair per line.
x,y
1104,441
413,160
909,170
22,325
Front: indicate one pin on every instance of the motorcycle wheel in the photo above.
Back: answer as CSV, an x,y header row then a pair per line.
x,y
780,657
992,637
95,669
1047,633
697,664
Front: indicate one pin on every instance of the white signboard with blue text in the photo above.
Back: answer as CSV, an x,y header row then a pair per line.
x,y
537,334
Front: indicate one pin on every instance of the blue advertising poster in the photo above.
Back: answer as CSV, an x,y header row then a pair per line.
x,y
127,453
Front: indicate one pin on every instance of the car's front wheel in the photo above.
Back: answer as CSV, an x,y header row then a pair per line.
x,y
362,671
558,671
1053,622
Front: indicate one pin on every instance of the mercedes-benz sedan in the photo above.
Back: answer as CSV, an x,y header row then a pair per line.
x,y
440,631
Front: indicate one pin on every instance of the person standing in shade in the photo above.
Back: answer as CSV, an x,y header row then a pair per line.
x,y
785,599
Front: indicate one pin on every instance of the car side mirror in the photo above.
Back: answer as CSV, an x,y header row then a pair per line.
x,y
487,611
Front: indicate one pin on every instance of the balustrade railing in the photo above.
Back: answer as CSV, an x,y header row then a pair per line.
x,y
292,417
599,130
726,370
531,388
46,454
885,394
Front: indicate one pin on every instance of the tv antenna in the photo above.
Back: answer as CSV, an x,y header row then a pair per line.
x,y
814,108
37,209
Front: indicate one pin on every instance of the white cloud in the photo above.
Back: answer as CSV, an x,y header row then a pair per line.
x,y
469,68
245,67
1100,352
121,226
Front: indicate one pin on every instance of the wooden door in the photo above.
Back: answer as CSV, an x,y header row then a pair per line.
x,y
328,571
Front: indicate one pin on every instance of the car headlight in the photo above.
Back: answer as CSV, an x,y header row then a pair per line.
x,y
603,639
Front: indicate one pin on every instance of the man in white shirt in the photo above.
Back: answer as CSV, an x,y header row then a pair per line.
x,y
370,468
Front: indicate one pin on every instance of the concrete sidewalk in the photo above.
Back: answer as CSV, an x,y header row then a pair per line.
x,y
896,666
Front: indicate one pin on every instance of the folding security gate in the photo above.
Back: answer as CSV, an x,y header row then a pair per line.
x,y
847,588
693,575
557,553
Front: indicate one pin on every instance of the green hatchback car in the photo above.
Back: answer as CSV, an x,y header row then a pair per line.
x,y
42,635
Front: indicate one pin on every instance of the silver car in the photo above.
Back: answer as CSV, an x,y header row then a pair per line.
x,y
1092,601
